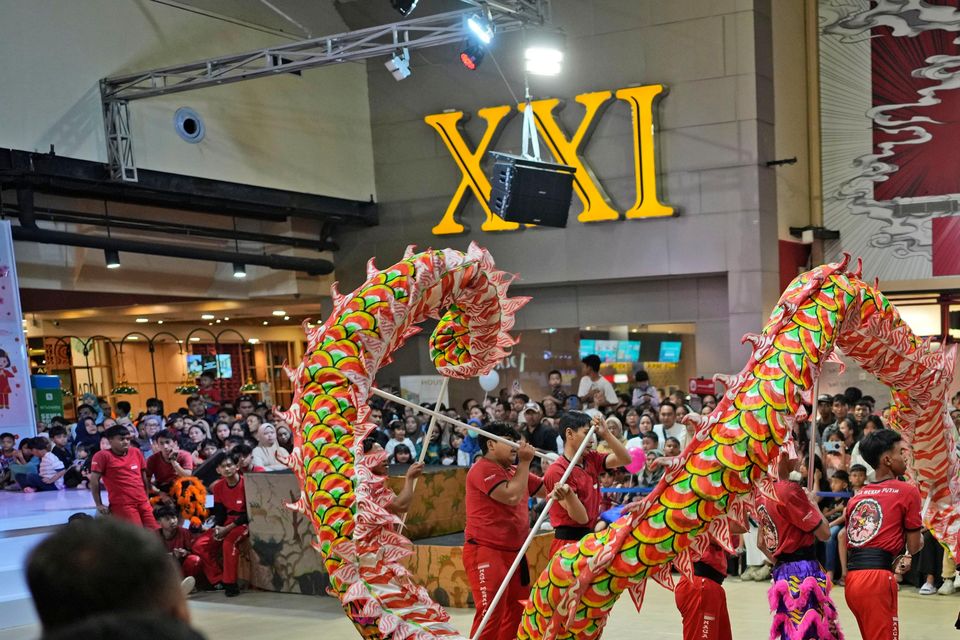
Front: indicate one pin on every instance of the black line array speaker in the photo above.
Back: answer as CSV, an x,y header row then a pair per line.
x,y
530,191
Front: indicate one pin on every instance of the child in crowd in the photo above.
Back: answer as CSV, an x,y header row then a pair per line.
x,y
401,455
9,454
168,462
399,438
448,456
651,473
230,515
49,476
179,542
857,477
124,473
833,509
671,447
61,449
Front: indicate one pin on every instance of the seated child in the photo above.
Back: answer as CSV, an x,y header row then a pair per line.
x,y
219,547
49,476
179,543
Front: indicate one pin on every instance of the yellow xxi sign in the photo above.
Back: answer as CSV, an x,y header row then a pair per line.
x,y
566,149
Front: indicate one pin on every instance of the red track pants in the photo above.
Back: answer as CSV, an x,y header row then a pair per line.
x,y
191,565
213,552
872,597
703,607
486,568
140,514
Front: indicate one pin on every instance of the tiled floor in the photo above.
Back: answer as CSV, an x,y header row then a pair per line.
x,y
292,617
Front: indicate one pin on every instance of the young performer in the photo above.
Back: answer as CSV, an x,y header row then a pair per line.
x,y
800,595
883,516
498,522
701,600
123,471
569,526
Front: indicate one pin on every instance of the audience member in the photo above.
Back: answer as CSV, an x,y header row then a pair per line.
x,y
124,475
644,394
169,462
179,543
268,454
49,475
595,391
127,626
102,565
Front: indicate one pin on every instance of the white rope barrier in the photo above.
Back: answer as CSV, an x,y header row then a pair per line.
x,y
533,532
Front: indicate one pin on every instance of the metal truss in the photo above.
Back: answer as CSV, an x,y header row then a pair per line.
x,y
116,123
383,40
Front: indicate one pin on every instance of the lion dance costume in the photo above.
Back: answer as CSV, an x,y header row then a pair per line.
x,y
705,488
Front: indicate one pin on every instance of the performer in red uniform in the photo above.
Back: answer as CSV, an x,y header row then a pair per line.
x,y
701,600
880,519
498,522
585,479
230,513
178,541
800,595
124,473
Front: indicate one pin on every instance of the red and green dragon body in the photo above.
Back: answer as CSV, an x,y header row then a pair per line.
x,y
709,485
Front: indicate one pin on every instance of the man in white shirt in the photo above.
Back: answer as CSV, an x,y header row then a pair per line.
x,y
595,391
669,427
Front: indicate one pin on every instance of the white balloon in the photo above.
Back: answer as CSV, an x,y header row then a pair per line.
x,y
490,380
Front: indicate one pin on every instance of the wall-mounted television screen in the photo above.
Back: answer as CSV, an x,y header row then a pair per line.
x,y
670,351
611,350
219,364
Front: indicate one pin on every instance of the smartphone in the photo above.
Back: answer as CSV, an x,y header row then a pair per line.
x,y
832,446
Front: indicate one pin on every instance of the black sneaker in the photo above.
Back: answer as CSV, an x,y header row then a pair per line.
x,y
231,590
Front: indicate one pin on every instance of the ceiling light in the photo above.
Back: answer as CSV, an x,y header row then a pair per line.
x,y
207,316
159,321
239,270
481,28
253,340
279,312
143,320
286,317
544,52
112,256
133,337
472,55
218,322
265,322
194,339
399,65
404,7
226,319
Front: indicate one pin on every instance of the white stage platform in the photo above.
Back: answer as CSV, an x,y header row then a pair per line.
x,y
25,520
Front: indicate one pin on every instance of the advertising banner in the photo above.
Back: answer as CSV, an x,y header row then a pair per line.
x,y
16,398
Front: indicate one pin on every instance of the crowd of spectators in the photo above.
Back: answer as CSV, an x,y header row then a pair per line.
x,y
138,460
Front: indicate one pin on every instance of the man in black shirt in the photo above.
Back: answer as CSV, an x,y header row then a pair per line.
x,y
539,435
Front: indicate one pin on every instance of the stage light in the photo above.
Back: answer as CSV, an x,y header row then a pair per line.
x,y
544,52
404,7
481,28
239,270
472,55
112,256
399,65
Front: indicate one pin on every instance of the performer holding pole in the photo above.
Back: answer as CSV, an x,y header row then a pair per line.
x,y
508,614
789,527
701,600
880,519
584,476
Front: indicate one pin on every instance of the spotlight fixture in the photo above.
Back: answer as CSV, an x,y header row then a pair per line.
x,y
482,28
112,256
265,323
286,317
279,312
404,7
472,55
399,65
207,316
544,52
142,320
239,270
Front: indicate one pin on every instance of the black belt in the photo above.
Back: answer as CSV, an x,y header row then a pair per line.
x,y
571,533
524,567
861,559
704,570
806,553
